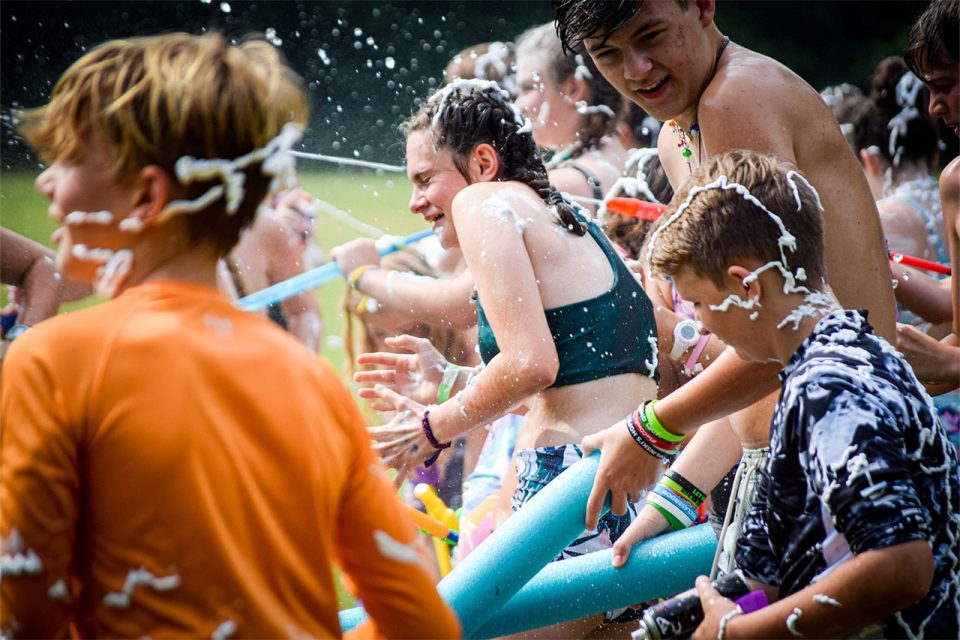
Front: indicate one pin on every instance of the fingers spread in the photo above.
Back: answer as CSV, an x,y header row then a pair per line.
x,y
380,376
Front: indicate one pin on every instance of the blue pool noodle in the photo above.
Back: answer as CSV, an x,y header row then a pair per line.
x,y
483,583
313,278
516,551
587,585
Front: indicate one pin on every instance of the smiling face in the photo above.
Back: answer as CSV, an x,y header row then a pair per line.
x,y
660,59
436,181
944,86
76,188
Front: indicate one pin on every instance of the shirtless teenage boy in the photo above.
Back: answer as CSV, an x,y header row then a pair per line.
x,y
670,58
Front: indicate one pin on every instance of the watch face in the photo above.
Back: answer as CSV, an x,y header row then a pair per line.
x,y
687,332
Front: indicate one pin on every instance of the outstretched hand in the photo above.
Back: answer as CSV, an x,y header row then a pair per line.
x,y
415,374
625,470
401,442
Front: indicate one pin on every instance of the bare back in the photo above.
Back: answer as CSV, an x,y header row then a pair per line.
x,y
524,262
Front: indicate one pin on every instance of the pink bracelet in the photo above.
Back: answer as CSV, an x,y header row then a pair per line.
x,y
695,354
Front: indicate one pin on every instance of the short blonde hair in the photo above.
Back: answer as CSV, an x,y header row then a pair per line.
x,y
152,100
720,227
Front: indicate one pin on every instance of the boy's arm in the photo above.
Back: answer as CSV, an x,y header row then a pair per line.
x,y
865,589
377,546
725,386
39,498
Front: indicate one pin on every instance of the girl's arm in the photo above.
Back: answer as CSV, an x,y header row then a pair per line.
x,y
497,256
436,301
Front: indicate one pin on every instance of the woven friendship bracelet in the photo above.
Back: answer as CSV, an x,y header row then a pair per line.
x,y
436,444
685,487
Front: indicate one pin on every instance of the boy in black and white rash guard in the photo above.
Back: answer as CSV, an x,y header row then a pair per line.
x,y
855,526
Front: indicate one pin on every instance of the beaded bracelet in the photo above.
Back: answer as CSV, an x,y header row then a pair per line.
x,y
672,479
450,373
436,444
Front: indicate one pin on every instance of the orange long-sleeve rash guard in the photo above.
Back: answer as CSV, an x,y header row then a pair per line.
x,y
172,466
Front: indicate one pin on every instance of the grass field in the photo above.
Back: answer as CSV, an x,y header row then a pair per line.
x,y
380,201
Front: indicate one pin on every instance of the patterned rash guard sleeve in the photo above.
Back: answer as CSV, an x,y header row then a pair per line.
x,y
858,461
755,557
377,547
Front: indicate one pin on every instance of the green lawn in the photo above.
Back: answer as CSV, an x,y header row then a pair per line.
x,y
380,201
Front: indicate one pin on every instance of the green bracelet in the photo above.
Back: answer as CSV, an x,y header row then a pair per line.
x,y
450,373
654,424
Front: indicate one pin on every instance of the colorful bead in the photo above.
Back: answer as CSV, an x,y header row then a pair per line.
x,y
686,153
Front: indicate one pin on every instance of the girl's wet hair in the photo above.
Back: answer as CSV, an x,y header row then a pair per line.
x,y
467,113
897,101
604,103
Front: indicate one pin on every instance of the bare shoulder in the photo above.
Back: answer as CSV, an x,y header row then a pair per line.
x,y
497,199
950,187
756,102
270,234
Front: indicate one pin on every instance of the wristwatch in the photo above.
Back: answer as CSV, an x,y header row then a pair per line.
x,y
16,331
685,335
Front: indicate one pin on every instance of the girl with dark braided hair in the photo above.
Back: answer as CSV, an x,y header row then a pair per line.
x,y
574,112
564,328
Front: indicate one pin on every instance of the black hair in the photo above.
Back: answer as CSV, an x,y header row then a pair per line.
x,y
475,112
581,19
894,118
934,37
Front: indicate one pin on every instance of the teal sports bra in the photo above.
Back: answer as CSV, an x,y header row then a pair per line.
x,y
604,336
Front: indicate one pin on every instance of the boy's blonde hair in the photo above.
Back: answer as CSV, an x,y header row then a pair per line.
x,y
153,100
719,226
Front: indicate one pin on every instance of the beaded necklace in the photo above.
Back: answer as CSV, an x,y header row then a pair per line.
x,y
684,138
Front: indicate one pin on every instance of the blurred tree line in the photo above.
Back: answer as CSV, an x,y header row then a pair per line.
x,y
364,63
